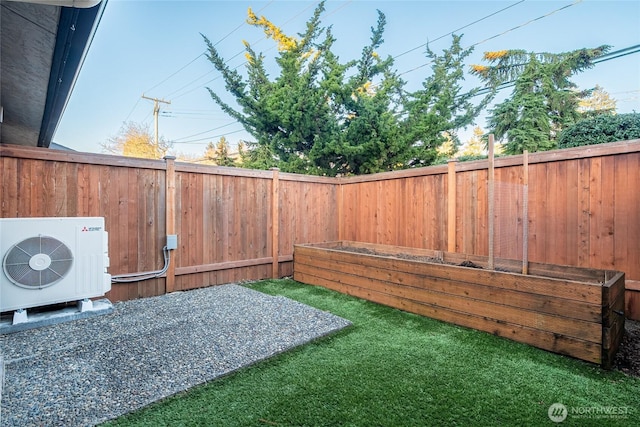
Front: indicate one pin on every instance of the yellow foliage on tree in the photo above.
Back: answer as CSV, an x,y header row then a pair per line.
x,y
598,102
480,69
475,146
367,89
495,55
448,147
136,140
285,43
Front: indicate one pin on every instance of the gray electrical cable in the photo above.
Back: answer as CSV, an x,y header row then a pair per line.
x,y
136,277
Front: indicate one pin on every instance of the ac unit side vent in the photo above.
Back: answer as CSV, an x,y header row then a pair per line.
x,y
37,262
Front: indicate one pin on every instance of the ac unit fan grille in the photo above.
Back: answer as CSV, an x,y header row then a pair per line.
x,y
37,262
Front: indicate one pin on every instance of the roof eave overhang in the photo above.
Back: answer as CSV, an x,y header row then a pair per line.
x,y
76,29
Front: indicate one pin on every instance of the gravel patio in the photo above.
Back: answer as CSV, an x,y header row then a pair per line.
x,y
88,371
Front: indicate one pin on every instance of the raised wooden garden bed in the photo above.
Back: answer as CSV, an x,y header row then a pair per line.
x,y
568,310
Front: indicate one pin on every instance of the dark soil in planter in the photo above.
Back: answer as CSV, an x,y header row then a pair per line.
x,y
466,263
401,256
628,356
627,359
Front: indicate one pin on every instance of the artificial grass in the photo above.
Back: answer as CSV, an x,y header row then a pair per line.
x,y
393,368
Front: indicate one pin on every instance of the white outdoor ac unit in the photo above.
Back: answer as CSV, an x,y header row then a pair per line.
x,y
52,260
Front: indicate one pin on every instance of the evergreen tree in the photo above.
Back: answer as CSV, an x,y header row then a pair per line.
x,y
288,115
366,132
440,108
322,116
544,101
218,154
209,154
447,150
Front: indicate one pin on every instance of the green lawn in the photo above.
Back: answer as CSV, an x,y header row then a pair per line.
x,y
398,369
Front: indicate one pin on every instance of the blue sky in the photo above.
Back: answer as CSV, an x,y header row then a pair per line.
x,y
155,48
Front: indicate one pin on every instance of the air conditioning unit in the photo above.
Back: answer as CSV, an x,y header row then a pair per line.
x,y
52,260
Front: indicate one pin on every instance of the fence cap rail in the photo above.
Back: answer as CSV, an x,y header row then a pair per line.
x,y
36,153
583,152
39,153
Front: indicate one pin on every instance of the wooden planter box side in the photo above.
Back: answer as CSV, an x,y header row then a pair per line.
x,y
563,315
613,318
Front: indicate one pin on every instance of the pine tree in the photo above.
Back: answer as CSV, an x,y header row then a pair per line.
x,y
319,115
441,107
366,133
221,155
218,153
543,102
288,115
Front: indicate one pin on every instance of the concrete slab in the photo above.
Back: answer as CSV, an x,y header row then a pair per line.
x,y
47,318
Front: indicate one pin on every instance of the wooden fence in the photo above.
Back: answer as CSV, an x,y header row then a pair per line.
x,y
229,221
583,209
235,224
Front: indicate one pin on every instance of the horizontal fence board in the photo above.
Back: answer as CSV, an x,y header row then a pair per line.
x,y
50,155
229,265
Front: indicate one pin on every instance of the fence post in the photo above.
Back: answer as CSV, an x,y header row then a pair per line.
x,y
275,221
451,206
525,213
170,219
340,212
492,202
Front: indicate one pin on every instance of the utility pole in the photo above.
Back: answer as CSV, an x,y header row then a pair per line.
x,y
156,110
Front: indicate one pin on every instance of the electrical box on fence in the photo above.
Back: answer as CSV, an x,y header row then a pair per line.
x,y
52,260
172,241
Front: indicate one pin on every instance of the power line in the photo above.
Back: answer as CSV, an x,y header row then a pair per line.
x,y
192,116
626,91
458,29
618,54
241,25
607,57
328,14
203,53
603,58
209,138
131,112
176,94
528,22
503,33
206,131
176,72
187,65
